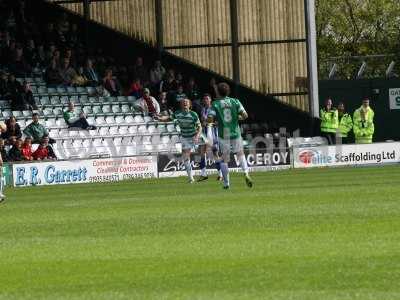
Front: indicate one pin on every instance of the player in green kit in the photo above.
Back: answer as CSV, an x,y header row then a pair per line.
x,y
227,112
190,126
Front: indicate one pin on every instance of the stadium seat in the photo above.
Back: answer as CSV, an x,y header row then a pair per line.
x,y
110,120
55,100
116,109
142,129
106,109
133,129
6,113
97,110
17,113
100,120
119,119
138,119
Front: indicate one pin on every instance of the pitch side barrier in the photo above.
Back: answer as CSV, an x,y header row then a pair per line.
x,y
346,155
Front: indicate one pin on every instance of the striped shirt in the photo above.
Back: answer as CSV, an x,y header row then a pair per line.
x,y
188,121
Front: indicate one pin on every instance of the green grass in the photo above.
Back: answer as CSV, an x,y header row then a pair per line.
x,y
312,234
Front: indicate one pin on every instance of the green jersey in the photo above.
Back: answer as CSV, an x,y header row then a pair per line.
x,y
70,116
188,121
226,111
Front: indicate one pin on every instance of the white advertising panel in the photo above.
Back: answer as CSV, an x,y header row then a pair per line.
x,y
346,155
84,171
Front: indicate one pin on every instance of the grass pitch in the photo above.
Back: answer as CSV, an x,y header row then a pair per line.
x,y
312,234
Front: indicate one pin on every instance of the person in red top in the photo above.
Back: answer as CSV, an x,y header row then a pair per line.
x,y
135,88
27,149
44,151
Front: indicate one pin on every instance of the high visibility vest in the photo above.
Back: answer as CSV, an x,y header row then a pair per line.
x,y
363,129
329,120
345,125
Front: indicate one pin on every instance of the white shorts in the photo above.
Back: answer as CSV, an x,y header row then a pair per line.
x,y
227,146
189,144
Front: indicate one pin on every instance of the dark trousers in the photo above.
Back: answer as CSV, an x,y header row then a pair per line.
x,y
330,136
81,123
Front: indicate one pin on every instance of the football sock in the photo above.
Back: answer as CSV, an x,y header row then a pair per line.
x,y
188,167
243,164
203,165
225,173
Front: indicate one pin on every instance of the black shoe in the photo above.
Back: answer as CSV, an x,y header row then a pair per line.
x,y
202,178
249,181
219,178
226,187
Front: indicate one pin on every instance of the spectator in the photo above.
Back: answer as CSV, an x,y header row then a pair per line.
x,y
74,120
157,73
18,65
73,35
52,75
169,83
165,109
91,74
179,79
50,35
44,151
148,104
345,123
50,53
36,131
177,97
15,154
13,129
213,89
31,53
329,122
27,97
111,84
41,55
14,89
140,71
192,90
364,123
27,149
67,73
135,88
68,54
3,84
3,151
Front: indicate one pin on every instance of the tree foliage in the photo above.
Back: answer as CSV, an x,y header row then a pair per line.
x,y
357,28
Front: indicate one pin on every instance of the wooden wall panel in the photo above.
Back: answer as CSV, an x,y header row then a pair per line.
x,y
196,22
135,18
273,68
262,20
217,59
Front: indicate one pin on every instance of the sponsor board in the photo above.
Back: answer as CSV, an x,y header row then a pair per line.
x,y
84,171
394,98
173,166
346,155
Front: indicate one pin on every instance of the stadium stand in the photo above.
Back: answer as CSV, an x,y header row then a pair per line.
x,y
120,128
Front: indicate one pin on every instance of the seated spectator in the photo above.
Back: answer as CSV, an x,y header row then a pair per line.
x,y
179,79
27,97
157,73
67,73
18,65
80,78
37,131
177,97
27,149
192,90
52,75
91,74
3,150
73,35
14,88
74,120
169,83
147,104
165,109
3,84
135,88
13,129
111,84
44,151
213,89
15,153
140,71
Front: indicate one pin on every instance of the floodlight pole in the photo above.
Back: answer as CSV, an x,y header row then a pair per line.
x,y
312,59
86,16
